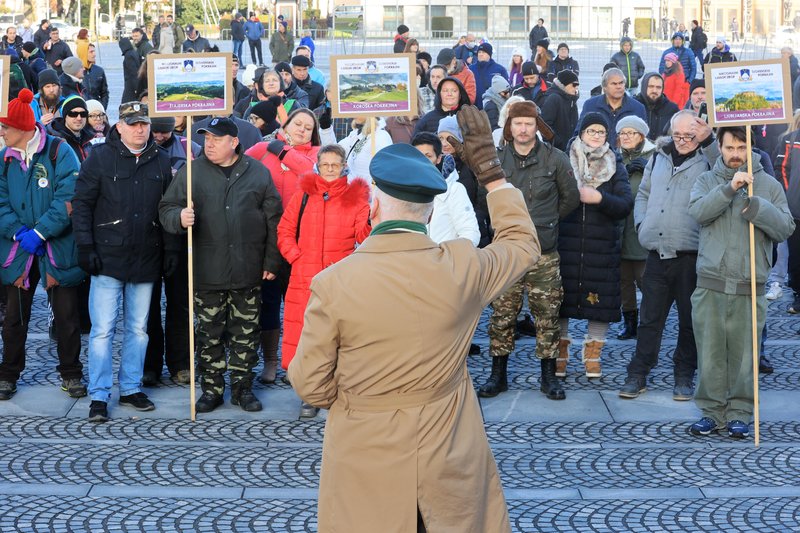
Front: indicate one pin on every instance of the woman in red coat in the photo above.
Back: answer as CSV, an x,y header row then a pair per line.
x,y
676,88
292,153
333,216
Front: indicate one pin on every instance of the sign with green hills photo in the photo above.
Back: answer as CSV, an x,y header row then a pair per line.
x,y
183,84
748,92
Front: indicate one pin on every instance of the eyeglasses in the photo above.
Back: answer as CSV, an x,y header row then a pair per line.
x,y
332,166
596,133
76,114
627,134
683,138
97,115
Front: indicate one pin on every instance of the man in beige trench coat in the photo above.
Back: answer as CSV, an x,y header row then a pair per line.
x,y
384,346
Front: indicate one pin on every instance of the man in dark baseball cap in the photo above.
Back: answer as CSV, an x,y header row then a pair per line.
x,y
220,127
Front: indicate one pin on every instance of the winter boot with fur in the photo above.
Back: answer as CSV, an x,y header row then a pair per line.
x,y
563,357
591,357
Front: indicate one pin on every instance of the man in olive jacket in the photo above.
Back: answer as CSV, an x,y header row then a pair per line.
x,y
237,210
721,303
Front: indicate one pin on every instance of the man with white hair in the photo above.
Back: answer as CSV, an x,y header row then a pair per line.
x,y
404,440
613,103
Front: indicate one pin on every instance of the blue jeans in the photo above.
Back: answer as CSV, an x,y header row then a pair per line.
x,y
104,297
237,49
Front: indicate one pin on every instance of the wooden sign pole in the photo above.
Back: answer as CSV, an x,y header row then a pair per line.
x,y
753,306
190,266
373,126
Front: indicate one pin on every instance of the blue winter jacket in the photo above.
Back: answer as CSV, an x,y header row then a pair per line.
x,y
39,197
484,71
687,59
37,108
598,104
253,30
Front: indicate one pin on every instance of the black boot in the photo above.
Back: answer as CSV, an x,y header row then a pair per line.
x,y
764,366
551,385
498,379
630,321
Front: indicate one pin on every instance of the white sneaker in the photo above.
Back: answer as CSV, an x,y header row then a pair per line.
x,y
774,291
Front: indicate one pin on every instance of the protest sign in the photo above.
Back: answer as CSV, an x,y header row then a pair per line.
x,y
189,84
374,85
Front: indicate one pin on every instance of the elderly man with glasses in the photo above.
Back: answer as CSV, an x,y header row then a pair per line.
x,y
671,235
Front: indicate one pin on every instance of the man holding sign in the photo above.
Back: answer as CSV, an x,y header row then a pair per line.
x,y
721,311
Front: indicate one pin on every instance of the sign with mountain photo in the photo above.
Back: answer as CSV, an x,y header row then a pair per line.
x,y
748,92
372,85
189,84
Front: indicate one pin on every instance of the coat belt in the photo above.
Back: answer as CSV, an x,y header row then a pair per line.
x,y
404,400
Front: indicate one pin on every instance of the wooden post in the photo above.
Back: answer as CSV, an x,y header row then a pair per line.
x,y
190,265
753,306
373,126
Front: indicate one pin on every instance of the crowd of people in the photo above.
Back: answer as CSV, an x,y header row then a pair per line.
x,y
633,190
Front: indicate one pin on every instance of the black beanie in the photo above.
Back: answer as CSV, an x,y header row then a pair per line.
x,y
593,118
695,84
48,76
162,124
529,68
268,109
401,29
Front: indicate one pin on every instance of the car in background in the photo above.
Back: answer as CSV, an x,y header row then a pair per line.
x,y
66,32
10,19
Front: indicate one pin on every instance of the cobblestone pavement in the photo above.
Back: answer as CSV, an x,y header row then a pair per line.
x,y
590,463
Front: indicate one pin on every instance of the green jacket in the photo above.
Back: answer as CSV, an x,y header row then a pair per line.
x,y
236,221
632,249
281,46
723,260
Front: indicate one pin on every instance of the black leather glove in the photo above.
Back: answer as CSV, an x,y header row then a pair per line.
x,y
170,264
636,165
325,120
89,261
276,147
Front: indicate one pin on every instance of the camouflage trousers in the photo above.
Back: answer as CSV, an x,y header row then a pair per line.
x,y
231,317
545,293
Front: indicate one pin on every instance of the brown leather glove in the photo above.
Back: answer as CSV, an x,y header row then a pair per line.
x,y
478,149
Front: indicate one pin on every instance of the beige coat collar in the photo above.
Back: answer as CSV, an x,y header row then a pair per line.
x,y
396,242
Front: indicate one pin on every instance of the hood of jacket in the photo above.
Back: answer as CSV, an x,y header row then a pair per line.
x,y
558,88
490,95
463,96
717,52
125,45
59,126
623,41
646,147
350,192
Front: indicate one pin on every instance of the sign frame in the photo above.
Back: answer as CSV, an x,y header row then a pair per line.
x,y
5,82
714,87
156,60
337,62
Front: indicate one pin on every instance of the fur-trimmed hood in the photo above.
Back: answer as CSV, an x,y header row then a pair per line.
x,y
351,192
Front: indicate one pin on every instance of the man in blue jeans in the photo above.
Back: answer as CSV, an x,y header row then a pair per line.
x,y
254,30
237,34
120,244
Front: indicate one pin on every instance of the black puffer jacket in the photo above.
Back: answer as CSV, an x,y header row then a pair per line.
x,y
560,112
589,242
130,69
659,113
548,184
115,209
430,121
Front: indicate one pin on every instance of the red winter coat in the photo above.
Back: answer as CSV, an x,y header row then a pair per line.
x,y
676,88
286,172
329,230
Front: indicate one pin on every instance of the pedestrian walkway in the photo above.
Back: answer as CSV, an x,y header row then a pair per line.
x,y
593,462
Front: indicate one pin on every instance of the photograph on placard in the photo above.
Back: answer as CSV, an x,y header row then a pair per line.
x,y
190,84
374,85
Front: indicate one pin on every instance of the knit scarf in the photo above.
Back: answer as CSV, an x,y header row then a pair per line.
x,y
592,166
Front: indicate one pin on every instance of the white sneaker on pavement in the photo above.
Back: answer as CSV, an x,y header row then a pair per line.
x,y
774,291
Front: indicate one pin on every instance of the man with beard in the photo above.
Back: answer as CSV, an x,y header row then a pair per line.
x,y
721,303
533,87
697,96
658,108
141,43
95,84
316,92
46,102
70,125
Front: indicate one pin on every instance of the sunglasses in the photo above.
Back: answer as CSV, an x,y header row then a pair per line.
x,y
76,114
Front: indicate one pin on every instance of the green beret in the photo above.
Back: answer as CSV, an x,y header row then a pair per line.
x,y
402,172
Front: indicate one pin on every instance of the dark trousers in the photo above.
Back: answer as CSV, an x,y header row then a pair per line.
x,y
174,336
255,46
64,304
666,281
793,267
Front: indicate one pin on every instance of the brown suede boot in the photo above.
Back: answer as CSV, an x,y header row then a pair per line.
x,y
563,357
591,357
269,347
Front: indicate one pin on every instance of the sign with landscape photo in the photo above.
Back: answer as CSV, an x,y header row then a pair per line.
x,y
374,85
748,92
190,84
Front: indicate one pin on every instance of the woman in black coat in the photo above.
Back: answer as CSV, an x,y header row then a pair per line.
x,y
131,61
443,107
589,241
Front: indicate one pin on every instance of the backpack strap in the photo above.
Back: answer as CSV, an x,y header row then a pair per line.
x,y
300,216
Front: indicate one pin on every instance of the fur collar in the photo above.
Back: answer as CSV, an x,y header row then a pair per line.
x,y
351,192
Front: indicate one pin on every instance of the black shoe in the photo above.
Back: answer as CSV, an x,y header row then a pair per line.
x,y
498,379
474,349
150,379
630,323
73,387
308,411
526,326
98,411
551,385
245,399
633,387
7,389
138,401
795,307
683,391
207,402
764,366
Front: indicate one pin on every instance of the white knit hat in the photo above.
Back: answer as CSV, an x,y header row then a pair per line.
x,y
93,106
